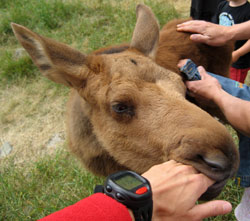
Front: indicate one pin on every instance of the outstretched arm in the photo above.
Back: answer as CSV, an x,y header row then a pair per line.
x,y
175,187
235,110
213,34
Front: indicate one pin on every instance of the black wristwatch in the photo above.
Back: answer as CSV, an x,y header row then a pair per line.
x,y
132,190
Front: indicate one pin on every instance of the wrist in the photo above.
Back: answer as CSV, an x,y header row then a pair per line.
x,y
131,190
218,97
230,33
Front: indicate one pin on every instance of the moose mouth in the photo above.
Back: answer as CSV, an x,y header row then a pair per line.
x,y
219,176
213,191
220,179
216,164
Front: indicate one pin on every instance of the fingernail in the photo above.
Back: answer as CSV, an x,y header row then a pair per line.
x,y
193,37
199,68
227,207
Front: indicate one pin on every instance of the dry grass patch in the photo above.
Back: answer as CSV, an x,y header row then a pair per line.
x,y
30,114
182,6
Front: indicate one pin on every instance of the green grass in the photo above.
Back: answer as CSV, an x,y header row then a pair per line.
x,y
232,194
35,189
43,187
14,70
57,181
38,15
86,25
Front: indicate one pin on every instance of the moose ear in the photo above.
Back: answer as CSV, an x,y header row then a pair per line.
x,y
146,33
56,61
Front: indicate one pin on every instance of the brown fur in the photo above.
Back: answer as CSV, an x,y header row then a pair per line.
x,y
127,112
174,46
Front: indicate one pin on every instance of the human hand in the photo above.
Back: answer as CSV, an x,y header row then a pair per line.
x,y
176,188
205,32
207,88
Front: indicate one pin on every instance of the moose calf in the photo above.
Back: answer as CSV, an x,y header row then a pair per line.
x,y
128,108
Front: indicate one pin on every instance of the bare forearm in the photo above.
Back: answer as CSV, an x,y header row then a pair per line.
x,y
239,31
236,111
244,49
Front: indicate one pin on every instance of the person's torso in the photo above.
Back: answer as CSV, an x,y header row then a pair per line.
x,y
228,16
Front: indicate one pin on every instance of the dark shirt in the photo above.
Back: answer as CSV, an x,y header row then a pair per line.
x,y
228,16
203,9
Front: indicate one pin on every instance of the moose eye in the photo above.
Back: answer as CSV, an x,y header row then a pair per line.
x,y
123,109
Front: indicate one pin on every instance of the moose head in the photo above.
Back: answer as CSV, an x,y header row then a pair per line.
x,y
127,112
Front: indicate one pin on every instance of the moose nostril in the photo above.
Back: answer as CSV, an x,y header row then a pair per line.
x,y
215,163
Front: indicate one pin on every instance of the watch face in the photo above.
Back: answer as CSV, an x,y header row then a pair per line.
x,y
128,181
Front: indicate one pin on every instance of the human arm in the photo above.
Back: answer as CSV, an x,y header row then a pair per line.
x,y
95,207
244,49
213,34
175,187
235,110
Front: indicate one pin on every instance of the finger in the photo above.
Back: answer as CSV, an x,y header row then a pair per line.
x,y
211,208
178,167
165,165
181,63
191,85
186,169
170,163
201,183
199,38
184,24
209,182
191,94
189,26
202,72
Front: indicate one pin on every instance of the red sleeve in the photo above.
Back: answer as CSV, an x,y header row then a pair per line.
x,y
95,207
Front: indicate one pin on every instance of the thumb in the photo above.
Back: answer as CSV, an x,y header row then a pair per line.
x,y
199,38
202,72
211,208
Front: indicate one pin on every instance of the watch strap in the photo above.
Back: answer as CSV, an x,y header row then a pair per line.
x,y
99,189
144,213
